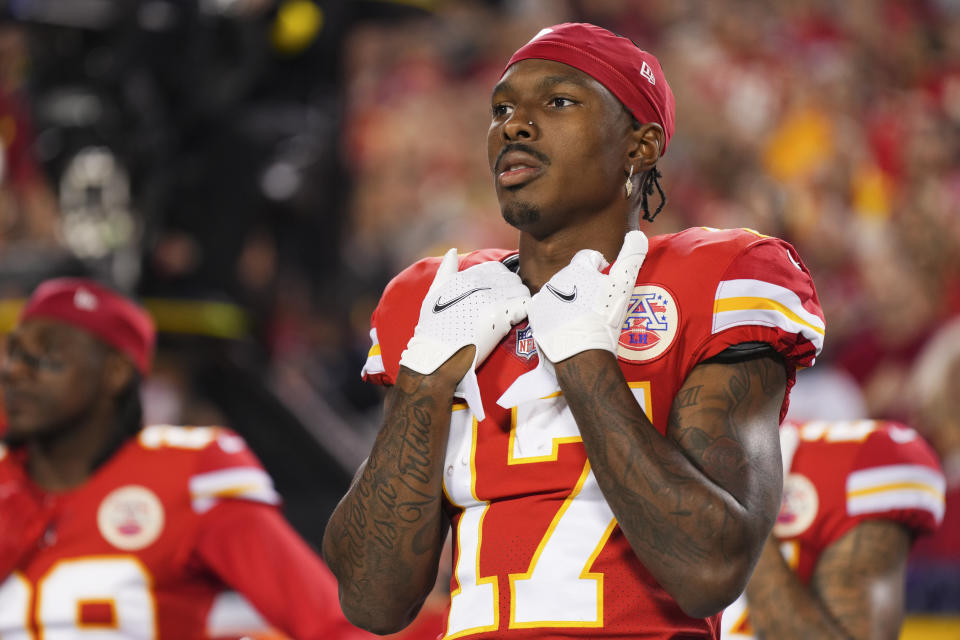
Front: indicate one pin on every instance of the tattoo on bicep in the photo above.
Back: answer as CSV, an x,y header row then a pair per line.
x,y
752,386
688,397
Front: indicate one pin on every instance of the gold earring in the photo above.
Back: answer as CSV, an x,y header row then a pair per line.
x,y
628,186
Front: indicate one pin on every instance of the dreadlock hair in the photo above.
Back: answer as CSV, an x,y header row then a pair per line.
x,y
128,419
130,408
648,183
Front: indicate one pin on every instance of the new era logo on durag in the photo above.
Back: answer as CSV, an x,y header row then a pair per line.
x,y
84,299
647,73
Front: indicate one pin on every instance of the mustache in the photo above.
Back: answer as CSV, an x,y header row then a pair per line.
x,y
525,148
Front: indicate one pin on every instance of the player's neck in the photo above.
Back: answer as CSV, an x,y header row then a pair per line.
x,y
66,459
540,258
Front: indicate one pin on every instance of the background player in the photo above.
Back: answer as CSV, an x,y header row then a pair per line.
x,y
615,469
856,496
126,530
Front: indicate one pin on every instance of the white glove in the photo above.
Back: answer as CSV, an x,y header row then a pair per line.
x,y
580,308
475,306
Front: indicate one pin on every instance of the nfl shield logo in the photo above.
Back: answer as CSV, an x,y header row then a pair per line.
x,y
525,345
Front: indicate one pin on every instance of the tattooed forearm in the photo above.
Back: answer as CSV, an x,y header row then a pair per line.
x,y
861,576
385,536
706,494
414,457
640,499
856,590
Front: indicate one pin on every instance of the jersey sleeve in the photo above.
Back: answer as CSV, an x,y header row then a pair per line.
x,y
253,550
394,320
896,476
892,475
398,311
767,295
23,514
227,469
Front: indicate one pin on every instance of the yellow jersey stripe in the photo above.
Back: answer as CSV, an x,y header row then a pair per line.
x,y
897,486
745,303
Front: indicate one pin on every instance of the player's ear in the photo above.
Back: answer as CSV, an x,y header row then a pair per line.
x,y
646,145
118,372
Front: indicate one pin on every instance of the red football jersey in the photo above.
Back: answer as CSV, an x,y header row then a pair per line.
x,y
176,516
538,553
843,473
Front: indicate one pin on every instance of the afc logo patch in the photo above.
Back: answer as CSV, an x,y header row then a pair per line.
x,y
651,325
525,345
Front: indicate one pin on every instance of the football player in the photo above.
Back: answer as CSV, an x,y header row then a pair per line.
x,y
855,497
112,530
611,466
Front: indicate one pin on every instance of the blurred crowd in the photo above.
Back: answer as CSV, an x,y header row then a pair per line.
x,y
835,127
286,158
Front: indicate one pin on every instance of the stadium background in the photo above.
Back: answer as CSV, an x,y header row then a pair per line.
x,y
256,170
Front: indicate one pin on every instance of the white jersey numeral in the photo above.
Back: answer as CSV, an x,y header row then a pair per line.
x,y
838,431
15,608
117,587
474,605
157,436
557,590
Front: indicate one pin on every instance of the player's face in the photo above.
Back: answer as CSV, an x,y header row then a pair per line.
x,y
569,165
51,374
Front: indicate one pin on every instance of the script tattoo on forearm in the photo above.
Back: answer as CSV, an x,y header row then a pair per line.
x,y
391,513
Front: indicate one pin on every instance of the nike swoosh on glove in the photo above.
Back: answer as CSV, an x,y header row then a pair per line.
x,y
581,308
475,306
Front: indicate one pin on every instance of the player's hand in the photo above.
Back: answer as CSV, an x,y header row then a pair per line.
x,y
581,308
476,306
24,518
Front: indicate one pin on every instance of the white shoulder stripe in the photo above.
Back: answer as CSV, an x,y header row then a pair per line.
x,y
246,483
374,363
748,301
373,366
901,486
893,474
898,499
